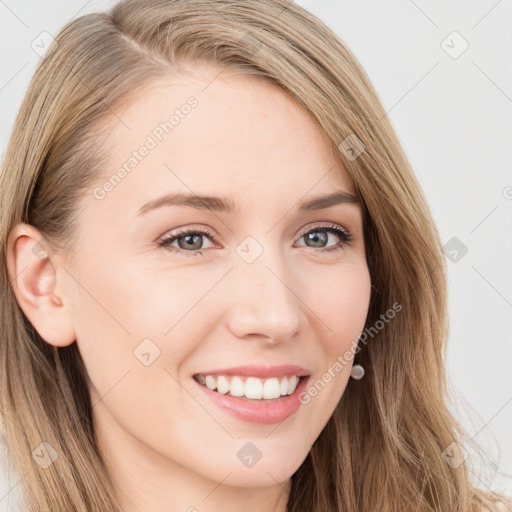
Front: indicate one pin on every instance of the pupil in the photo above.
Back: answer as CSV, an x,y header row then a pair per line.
x,y
314,236
188,241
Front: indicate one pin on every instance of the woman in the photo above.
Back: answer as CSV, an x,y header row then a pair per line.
x,y
295,362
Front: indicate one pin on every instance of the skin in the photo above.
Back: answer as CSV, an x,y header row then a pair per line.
x,y
168,446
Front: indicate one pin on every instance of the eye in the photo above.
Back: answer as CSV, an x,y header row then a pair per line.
x,y
190,240
320,235
187,239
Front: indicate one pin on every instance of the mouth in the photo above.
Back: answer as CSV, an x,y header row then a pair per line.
x,y
254,399
251,388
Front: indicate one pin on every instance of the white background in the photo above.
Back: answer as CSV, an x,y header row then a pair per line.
x,y
453,117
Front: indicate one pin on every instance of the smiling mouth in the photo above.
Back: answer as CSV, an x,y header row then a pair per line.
x,y
250,388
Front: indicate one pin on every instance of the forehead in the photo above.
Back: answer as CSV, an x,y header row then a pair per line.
x,y
218,132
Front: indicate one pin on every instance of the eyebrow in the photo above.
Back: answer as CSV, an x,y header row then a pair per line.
x,y
226,205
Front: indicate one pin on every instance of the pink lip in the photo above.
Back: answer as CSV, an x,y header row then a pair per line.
x,y
258,411
263,372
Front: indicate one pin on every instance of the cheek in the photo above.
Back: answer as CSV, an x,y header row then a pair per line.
x,y
341,301
120,320
340,311
125,296
123,311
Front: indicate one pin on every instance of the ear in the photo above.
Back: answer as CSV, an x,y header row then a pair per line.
x,y
32,265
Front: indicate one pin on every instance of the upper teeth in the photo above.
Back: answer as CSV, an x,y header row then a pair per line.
x,y
252,387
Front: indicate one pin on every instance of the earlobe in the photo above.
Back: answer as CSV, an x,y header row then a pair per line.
x,y
32,267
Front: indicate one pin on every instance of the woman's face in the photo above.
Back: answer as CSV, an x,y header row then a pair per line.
x,y
263,284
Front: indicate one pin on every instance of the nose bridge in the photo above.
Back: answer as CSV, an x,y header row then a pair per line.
x,y
266,302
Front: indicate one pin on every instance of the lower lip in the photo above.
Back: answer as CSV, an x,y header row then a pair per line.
x,y
258,411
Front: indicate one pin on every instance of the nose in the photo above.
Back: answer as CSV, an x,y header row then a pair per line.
x,y
265,301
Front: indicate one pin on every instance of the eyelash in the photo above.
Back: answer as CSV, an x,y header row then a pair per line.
x,y
345,236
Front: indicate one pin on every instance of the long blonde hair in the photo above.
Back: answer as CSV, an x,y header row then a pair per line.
x,y
383,447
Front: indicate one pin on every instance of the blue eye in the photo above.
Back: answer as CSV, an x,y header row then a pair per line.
x,y
312,235
190,240
189,237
